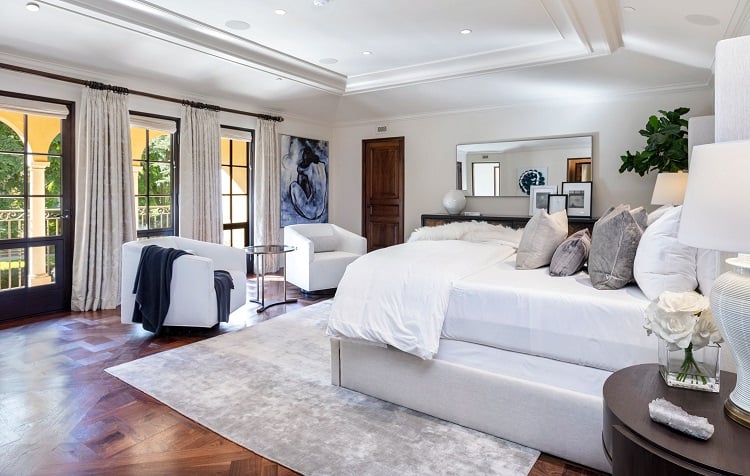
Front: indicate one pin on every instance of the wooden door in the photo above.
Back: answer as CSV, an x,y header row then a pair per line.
x,y
383,192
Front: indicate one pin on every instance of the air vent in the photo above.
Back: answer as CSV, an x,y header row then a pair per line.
x,y
382,128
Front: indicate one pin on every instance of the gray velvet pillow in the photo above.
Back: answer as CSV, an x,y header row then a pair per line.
x,y
614,243
571,255
541,237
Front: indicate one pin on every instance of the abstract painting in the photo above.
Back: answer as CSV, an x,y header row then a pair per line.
x,y
527,177
304,180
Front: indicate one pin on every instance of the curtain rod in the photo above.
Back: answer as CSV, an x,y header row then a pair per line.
x,y
82,82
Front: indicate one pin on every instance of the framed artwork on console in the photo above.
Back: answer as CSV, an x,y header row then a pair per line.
x,y
579,198
557,202
539,197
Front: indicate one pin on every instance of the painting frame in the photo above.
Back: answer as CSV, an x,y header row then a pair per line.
x,y
557,202
304,180
539,197
579,198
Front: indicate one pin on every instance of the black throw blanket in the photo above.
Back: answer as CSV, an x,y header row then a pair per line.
x,y
223,285
151,287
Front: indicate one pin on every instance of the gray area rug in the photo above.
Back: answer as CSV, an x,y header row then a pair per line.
x,y
268,389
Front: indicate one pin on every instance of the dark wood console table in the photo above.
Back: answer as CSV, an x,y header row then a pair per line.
x,y
636,445
574,223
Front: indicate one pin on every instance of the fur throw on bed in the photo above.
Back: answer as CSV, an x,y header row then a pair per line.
x,y
468,231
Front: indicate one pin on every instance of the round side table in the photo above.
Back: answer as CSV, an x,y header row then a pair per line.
x,y
260,279
636,445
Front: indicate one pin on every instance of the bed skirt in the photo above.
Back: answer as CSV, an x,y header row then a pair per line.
x,y
557,421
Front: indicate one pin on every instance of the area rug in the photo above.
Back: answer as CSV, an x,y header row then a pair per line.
x,y
268,389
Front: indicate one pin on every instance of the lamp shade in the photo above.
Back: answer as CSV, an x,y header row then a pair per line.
x,y
669,188
715,214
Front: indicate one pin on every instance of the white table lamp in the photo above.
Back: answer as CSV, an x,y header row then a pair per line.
x,y
715,216
669,188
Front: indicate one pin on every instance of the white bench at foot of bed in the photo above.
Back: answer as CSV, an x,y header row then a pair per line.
x,y
545,404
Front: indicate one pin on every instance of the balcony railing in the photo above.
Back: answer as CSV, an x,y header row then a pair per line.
x,y
13,223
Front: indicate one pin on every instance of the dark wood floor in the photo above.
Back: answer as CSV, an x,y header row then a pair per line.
x,y
61,414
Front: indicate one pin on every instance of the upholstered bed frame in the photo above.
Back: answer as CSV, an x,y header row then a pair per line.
x,y
557,421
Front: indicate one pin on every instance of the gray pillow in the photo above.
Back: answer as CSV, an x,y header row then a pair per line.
x,y
571,255
541,237
614,243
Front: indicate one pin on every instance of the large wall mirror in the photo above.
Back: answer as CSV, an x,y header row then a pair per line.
x,y
509,168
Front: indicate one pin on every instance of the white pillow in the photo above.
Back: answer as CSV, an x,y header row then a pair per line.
x,y
654,215
661,262
541,237
324,243
708,268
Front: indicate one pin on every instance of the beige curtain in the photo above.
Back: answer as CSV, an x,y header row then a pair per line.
x,y
267,202
200,174
105,218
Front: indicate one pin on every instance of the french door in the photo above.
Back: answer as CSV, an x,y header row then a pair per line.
x,y
36,205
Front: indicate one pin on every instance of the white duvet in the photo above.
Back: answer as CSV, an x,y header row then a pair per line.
x,y
399,295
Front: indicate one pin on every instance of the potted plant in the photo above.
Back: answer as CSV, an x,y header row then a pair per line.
x,y
666,145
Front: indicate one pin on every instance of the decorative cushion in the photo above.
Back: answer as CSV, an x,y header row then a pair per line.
x,y
541,237
324,243
654,215
614,243
662,263
571,255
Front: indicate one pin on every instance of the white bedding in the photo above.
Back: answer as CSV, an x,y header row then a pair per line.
x,y
562,318
398,295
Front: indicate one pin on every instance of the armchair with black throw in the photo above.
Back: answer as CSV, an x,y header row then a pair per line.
x,y
192,295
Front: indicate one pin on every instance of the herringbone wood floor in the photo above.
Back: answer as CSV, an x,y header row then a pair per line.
x,y
61,414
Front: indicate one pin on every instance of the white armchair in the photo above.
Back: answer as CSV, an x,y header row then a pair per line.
x,y
323,252
192,295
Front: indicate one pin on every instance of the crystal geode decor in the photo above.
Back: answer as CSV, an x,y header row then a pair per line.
x,y
688,368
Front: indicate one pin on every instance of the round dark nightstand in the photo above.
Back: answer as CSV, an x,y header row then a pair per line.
x,y
636,445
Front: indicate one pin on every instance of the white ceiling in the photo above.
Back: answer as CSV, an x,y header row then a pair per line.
x,y
519,51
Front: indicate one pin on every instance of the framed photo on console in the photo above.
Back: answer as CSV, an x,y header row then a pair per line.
x,y
557,202
539,197
579,198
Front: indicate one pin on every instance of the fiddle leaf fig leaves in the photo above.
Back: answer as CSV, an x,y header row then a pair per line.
x,y
666,145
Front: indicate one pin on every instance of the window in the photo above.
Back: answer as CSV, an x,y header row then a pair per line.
x,y
236,186
32,194
152,142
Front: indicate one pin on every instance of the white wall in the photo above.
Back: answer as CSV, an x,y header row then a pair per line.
x,y
35,85
430,151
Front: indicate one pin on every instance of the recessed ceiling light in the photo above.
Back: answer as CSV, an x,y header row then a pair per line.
x,y
328,61
320,3
367,53
32,7
237,25
280,12
629,9
465,31
702,20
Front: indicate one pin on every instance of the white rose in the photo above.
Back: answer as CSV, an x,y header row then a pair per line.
x,y
676,328
691,302
705,330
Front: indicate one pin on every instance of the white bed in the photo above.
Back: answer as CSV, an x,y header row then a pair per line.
x,y
521,355
563,318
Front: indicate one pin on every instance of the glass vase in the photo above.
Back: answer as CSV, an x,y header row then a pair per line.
x,y
688,368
